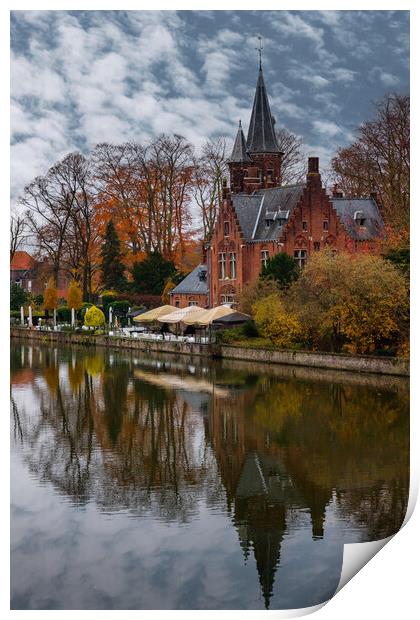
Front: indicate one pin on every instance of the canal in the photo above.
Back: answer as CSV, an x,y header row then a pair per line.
x,y
174,483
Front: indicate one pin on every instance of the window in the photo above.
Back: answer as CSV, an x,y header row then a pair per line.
x,y
264,258
304,225
29,286
300,257
222,265
227,299
226,229
269,176
360,218
325,225
192,303
177,303
268,223
232,261
317,246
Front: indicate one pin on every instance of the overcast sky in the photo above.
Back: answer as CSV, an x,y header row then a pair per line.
x,y
79,78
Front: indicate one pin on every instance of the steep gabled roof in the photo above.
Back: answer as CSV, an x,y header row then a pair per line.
x,y
350,209
193,283
274,205
239,154
261,134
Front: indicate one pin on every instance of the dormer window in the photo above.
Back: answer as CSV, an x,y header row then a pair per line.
x,y
202,276
269,222
360,218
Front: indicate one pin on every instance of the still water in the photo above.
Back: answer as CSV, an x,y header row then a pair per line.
x,y
177,483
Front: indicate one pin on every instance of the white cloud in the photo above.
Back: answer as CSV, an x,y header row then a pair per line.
x,y
326,127
343,75
388,79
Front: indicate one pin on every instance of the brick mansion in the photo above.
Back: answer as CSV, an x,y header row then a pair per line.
x,y
260,218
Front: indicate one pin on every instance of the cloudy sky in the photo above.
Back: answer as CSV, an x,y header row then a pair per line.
x,y
79,78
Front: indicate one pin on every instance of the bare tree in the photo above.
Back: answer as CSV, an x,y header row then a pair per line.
x,y
209,171
49,201
379,160
18,233
293,163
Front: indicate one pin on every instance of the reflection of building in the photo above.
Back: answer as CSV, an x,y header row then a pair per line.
x,y
261,483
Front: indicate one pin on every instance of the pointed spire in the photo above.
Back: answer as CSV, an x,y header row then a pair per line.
x,y
239,154
261,134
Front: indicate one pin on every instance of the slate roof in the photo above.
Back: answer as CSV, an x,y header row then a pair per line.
x,y
239,154
261,134
193,284
347,208
274,205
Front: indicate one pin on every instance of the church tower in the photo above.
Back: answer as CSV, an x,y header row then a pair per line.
x,y
256,164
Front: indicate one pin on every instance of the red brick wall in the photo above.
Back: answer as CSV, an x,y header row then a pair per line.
x,y
257,173
314,208
182,301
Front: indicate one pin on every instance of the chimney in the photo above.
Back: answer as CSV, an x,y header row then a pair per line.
x,y
313,178
313,165
336,193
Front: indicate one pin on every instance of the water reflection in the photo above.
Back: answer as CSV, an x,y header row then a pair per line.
x,y
275,450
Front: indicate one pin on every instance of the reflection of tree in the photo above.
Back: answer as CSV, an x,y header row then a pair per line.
x,y
148,457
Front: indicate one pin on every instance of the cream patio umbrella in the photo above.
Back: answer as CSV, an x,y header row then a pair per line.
x,y
180,314
208,316
153,315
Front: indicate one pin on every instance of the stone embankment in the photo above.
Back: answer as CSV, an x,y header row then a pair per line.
x,y
353,363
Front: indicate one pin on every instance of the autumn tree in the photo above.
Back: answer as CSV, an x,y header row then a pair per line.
x,y
379,160
255,290
74,295
357,299
275,323
49,201
81,241
169,286
112,267
94,317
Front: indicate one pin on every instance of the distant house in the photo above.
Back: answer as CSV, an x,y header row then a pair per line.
x,y
192,291
23,271
32,275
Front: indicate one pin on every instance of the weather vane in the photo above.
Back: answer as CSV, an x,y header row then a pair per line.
x,y
260,48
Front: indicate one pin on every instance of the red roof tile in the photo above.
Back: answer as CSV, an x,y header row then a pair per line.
x,y
22,260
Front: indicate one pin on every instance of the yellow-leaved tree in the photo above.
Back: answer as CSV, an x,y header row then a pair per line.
x,y
50,295
357,300
275,323
94,317
170,284
74,295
